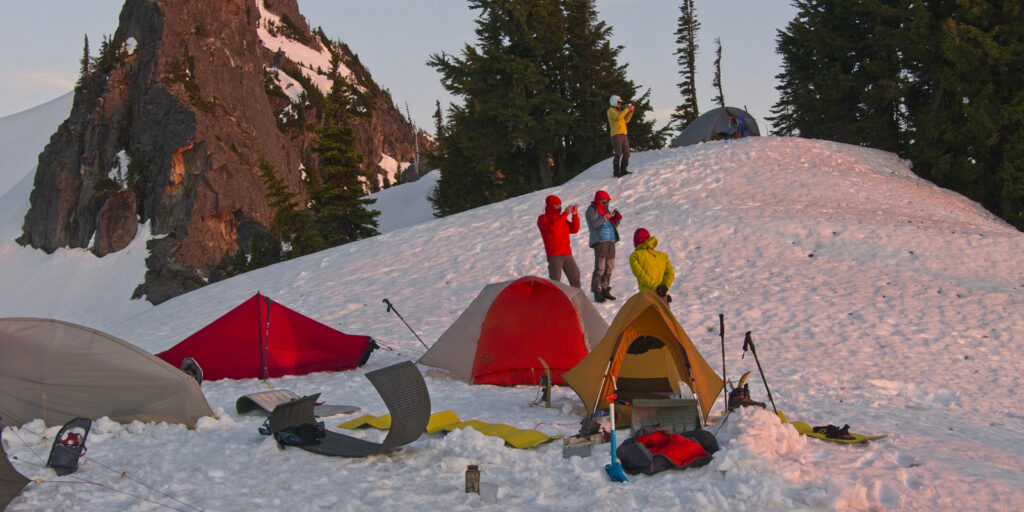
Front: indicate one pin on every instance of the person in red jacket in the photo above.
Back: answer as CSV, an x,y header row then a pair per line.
x,y
555,227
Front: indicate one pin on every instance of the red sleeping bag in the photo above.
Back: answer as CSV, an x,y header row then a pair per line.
x,y
679,449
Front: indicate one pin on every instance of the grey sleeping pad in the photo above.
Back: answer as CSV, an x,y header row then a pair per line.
x,y
405,394
267,400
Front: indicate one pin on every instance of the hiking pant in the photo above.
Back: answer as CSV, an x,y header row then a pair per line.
x,y
620,154
564,262
604,263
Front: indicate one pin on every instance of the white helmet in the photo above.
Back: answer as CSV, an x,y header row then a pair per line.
x,y
615,100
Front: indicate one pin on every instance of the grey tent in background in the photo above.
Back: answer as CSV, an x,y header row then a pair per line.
x,y
57,371
717,124
11,482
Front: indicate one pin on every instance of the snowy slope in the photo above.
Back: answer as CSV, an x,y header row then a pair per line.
x,y
874,299
406,204
70,284
24,135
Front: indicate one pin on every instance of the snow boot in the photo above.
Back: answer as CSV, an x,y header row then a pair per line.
x,y
607,293
834,432
598,297
740,397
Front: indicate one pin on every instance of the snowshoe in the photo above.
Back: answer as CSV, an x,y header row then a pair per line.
x,y
69,446
833,433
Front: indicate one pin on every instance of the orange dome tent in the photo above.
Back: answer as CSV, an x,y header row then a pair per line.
x,y
506,330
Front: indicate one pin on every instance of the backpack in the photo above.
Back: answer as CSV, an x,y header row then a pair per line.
x,y
300,435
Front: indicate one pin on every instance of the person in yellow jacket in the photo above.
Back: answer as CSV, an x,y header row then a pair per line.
x,y
617,119
653,269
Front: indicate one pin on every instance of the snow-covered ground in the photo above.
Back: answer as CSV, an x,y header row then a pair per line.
x,y
874,299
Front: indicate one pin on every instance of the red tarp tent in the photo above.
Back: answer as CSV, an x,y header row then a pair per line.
x,y
262,339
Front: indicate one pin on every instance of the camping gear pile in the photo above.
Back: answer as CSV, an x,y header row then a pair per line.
x,y
641,371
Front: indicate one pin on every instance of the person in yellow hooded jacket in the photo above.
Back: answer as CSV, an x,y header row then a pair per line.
x,y
618,116
653,269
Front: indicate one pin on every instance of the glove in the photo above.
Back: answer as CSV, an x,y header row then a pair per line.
x,y
668,298
661,290
631,108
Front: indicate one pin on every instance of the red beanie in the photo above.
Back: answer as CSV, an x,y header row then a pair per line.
x,y
639,236
602,195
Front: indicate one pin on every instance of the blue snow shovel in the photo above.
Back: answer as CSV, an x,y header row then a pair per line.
x,y
615,468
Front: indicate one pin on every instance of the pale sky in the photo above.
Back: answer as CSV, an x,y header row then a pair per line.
x,y
41,45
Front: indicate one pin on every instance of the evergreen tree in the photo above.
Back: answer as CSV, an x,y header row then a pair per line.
x,y
965,107
717,81
686,56
292,229
340,213
591,76
535,89
268,247
937,81
438,121
83,73
512,115
842,73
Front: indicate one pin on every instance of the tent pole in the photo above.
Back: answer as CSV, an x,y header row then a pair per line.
x,y
259,330
600,387
693,387
266,347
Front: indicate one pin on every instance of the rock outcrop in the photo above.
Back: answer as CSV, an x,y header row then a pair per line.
x,y
169,124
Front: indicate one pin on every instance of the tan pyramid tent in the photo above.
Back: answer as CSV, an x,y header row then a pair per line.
x,y
57,371
648,353
500,337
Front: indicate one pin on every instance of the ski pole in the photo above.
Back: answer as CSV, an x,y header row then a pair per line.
x,y
391,307
725,380
747,342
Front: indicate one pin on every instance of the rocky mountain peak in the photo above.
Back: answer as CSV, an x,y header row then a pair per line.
x,y
170,122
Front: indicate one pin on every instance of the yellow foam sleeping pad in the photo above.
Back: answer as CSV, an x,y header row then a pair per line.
x,y
447,421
